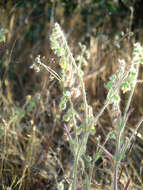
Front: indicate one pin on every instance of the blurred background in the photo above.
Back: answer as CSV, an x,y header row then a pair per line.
x,y
34,151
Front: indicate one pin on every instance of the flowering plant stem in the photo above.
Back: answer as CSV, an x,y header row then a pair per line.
x,y
120,133
82,146
124,79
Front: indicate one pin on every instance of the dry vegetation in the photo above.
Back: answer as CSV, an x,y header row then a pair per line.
x,y
35,152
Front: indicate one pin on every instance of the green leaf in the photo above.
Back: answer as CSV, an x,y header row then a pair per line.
x,y
63,105
2,38
97,156
3,31
126,85
112,135
79,129
112,78
117,98
88,158
112,8
31,106
109,85
84,62
66,117
122,156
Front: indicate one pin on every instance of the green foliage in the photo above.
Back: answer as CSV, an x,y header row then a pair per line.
x,y
26,125
124,79
31,106
3,33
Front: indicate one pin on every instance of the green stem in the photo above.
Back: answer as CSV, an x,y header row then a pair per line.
x,y
81,149
125,118
74,121
131,95
120,133
85,136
